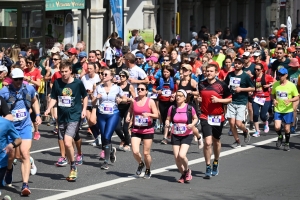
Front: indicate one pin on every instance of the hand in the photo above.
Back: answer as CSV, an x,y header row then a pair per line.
x,y
159,92
9,148
214,99
83,113
172,99
119,100
127,119
38,120
275,102
238,90
188,91
287,102
46,113
190,126
167,123
199,99
152,81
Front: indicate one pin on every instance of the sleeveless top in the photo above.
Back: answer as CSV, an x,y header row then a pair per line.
x,y
187,87
127,93
142,125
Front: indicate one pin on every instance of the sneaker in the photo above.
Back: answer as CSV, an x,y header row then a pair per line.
x,y
61,162
25,190
147,174
181,179
93,143
215,169
256,134
113,157
164,141
208,172
52,122
230,133
200,142
225,122
140,168
33,168
251,125
55,131
287,147
296,123
246,136
266,127
279,141
126,148
104,166
236,145
8,177
37,135
102,155
15,162
188,176
72,176
293,129
78,159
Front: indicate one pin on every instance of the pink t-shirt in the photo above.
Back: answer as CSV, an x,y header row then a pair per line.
x,y
180,119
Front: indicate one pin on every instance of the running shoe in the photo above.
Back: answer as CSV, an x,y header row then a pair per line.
x,y
279,141
104,166
52,122
215,169
25,191
147,174
102,155
126,148
37,135
226,122
236,145
15,162
164,141
33,168
296,123
78,159
246,136
98,140
61,162
266,127
188,176
181,179
72,176
8,177
256,134
55,131
93,143
287,147
208,172
140,168
230,133
251,125
200,142
113,157
293,130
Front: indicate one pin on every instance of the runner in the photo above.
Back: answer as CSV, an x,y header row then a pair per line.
x,y
214,94
284,93
142,111
184,118
67,92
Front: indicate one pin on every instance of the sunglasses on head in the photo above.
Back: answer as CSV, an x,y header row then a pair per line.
x,y
18,79
141,89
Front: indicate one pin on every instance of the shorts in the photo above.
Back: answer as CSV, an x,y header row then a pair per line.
x,y
179,140
90,108
250,99
208,130
143,136
287,118
68,128
26,133
236,111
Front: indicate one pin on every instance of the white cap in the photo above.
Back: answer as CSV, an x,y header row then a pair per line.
x,y
282,26
3,68
17,73
55,50
246,53
257,53
182,44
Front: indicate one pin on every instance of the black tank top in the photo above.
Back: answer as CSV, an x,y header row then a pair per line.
x,y
126,91
187,87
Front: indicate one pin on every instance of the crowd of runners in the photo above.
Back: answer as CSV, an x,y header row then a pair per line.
x,y
184,90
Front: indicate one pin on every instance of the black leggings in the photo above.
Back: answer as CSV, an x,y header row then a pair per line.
x,y
163,109
123,134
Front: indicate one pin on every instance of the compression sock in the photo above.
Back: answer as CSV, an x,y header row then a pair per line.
x,y
287,137
279,132
107,152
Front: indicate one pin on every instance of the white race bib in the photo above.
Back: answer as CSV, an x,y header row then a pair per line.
x,y
126,94
166,93
282,95
294,80
236,82
64,101
152,95
19,114
179,128
214,120
107,108
260,101
140,120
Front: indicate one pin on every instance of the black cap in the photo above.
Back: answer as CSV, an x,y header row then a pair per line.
x,y
240,59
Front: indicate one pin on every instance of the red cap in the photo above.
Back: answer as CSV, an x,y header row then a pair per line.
x,y
72,50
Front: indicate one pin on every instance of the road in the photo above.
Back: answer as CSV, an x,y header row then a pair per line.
x,y
257,171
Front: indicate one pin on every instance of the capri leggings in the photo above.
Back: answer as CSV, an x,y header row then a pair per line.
x,y
163,109
123,133
107,124
263,111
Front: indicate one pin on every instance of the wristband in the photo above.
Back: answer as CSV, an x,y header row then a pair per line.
x,y
38,115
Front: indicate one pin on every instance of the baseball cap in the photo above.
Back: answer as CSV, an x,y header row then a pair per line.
x,y
124,72
17,73
246,54
118,54
283,71
187,66
72,51
194,34
3,68
193,55
182,44
139,55
282,26
256,53
23,53
240,59
55,50
246,40
293,63
217,50
82,54
271,37
152,58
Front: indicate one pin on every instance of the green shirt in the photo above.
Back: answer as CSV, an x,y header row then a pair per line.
x,y
283,92
293,75
219,59
244,81
68,96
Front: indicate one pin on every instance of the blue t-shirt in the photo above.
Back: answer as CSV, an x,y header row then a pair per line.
x,y
20,104
7,133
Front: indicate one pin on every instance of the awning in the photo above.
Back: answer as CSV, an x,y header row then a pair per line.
x,y
64,4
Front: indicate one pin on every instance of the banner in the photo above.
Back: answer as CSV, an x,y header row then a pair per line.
x,y
147,35
117,10
64,4
289,28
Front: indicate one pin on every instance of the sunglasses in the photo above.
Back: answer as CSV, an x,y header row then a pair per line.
x,y
101,73
98,54
18,79
280,74
141,89
164,51
123,76
257,69
138,58
166,60
55,59
105,75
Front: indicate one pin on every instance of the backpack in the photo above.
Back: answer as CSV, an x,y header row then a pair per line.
x,y
171,82
188,112
12,99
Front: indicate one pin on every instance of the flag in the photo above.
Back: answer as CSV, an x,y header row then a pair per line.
x,y
117,7
289,29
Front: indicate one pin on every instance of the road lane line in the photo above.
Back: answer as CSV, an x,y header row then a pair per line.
x,y
49,189
156,171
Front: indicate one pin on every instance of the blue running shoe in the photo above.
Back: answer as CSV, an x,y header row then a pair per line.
x,y
208,172
215,169
293,129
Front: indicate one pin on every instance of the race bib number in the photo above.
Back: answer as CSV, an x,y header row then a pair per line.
x,y
64,101
19,114
260,101
282,95
140,120
107,108
152,95
126,94
166,93
214,120
294,80
236,82
179,129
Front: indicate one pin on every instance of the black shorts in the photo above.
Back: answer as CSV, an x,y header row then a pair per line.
x,y
250,99
179,140
90,108
208,130
143,136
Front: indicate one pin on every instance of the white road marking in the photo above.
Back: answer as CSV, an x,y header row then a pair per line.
x,y
156,171
49,189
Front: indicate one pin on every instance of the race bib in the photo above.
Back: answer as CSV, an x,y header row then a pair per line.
x,y
64,101
107,108
260,101
214,120
152,95
166,93
126,94
140,120
19,114
236,82
282,95
179,129
294,80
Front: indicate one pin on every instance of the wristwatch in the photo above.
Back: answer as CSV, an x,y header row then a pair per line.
x,y
14,145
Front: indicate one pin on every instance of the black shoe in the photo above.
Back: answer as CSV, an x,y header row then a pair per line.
x,y
140,168
279,141
251,125
147,174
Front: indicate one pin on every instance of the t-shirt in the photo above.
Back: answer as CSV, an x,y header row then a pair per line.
x,y
89,83
55,76
251,68
277,63
206,90
137,74
118,69
293,75
175,66
222,74
7,133
219,59
244,81
109,55
283,92
259,92
68,96
35,75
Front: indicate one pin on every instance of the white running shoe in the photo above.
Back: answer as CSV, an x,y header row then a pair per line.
x,y
33,168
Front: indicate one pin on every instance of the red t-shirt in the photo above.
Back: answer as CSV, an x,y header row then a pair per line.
x,y
55,76
218,89
223,73
35,74
259,90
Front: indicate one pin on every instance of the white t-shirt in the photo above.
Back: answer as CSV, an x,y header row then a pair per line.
x,y
89,83
137,73
109,54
